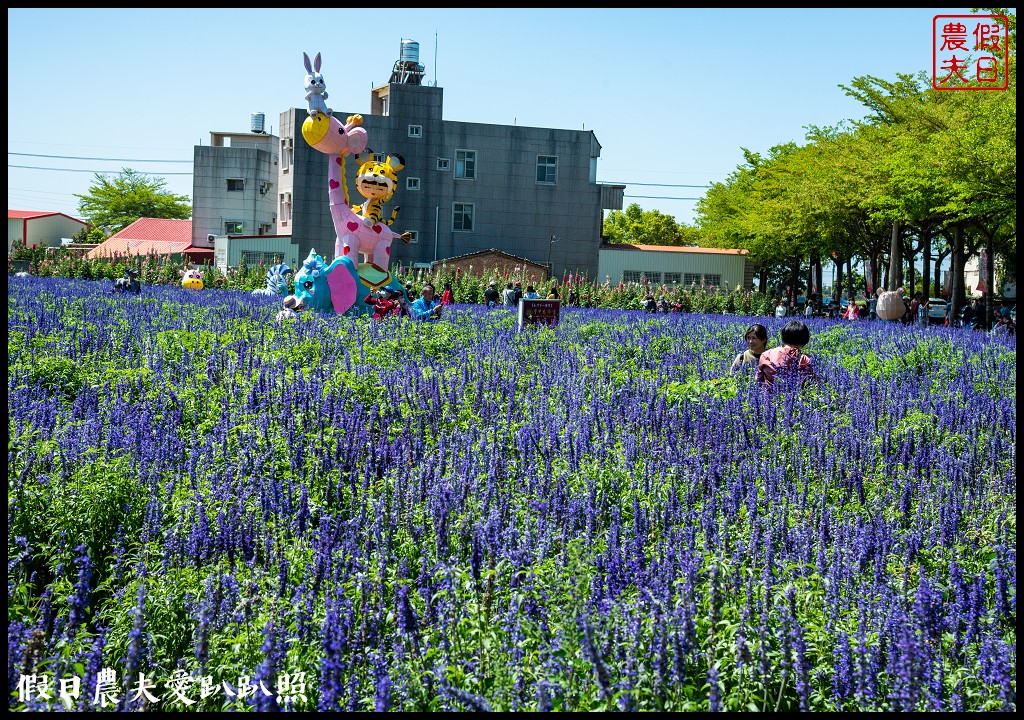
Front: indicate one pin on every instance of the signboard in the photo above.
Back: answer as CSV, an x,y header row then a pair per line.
x,y
539,312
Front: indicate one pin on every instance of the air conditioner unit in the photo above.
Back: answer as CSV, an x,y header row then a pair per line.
x,y
211,238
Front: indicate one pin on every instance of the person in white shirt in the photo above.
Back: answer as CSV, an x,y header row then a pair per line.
x,y
781,310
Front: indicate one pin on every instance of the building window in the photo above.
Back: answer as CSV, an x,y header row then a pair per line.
x,y
412,183
264,229
547,167
233,227
255,257
652,276
415,131
462,217
285,208
443,164
383,106
415,236
465,164
236,185
631,276
692,279
286,154
673,278
713,280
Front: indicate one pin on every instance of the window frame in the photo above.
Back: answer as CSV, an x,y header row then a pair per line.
x,y
468,164
239,224
236,180
414,240
551,168
444,164
412,183
415,131
462,213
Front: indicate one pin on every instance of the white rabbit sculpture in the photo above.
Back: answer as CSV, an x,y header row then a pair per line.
x,y
316,87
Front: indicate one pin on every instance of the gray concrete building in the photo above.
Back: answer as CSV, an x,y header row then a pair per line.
x,y
528,191
234,185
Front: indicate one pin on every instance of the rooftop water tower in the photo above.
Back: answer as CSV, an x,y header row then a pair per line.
x,y
256,126
408,70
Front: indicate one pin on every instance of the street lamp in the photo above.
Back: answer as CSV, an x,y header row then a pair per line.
x,y
551,243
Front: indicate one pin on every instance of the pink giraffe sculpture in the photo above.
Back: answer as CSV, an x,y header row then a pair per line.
x,y
326,134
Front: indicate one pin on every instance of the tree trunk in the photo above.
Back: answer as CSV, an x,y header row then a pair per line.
x,y
990,296
762,279
838,284
849,271
895,261
911,280
926,262
956,267
794,278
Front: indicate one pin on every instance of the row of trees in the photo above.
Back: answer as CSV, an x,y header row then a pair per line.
x,y
927,174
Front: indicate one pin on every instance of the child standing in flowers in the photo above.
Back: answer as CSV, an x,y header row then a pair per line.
x,y
787,359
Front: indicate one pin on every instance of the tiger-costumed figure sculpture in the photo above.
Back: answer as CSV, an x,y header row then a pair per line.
x,y
346,277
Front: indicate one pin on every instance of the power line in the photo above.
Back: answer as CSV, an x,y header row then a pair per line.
x,y
613,182
98,172
75,157
659,197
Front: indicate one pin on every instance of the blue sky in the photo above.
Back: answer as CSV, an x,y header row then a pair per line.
x,y
673,96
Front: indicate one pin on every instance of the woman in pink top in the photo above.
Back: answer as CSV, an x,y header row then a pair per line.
x,y
788,358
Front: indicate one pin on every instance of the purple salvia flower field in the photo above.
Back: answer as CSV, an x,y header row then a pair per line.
x,y
335,513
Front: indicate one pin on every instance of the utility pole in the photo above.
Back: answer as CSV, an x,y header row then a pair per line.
x,y
551,244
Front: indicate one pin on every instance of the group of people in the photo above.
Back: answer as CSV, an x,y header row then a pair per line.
x,y
513,293
787,358
394,302
389,302
661,305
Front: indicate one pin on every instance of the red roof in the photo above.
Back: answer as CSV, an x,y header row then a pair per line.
x,y
33,214
148,235
675,248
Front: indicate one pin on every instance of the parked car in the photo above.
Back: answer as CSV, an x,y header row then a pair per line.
x,y
936,311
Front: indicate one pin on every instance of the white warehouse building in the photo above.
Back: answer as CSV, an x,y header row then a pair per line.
x,y
670,265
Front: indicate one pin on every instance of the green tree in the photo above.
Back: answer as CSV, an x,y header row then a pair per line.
x,y
641,227
116,202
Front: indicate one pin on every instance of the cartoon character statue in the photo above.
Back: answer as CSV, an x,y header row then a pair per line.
x,y
192,280
890,304
316,88
327,286
372,236
277,281
362,238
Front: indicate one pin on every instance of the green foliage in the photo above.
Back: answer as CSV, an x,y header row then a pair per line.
x,y
641,227
119,201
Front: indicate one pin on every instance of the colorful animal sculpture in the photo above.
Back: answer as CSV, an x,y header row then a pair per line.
x,y
325,287
192,280
316,88
376,181
890,305
364,235
277,281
